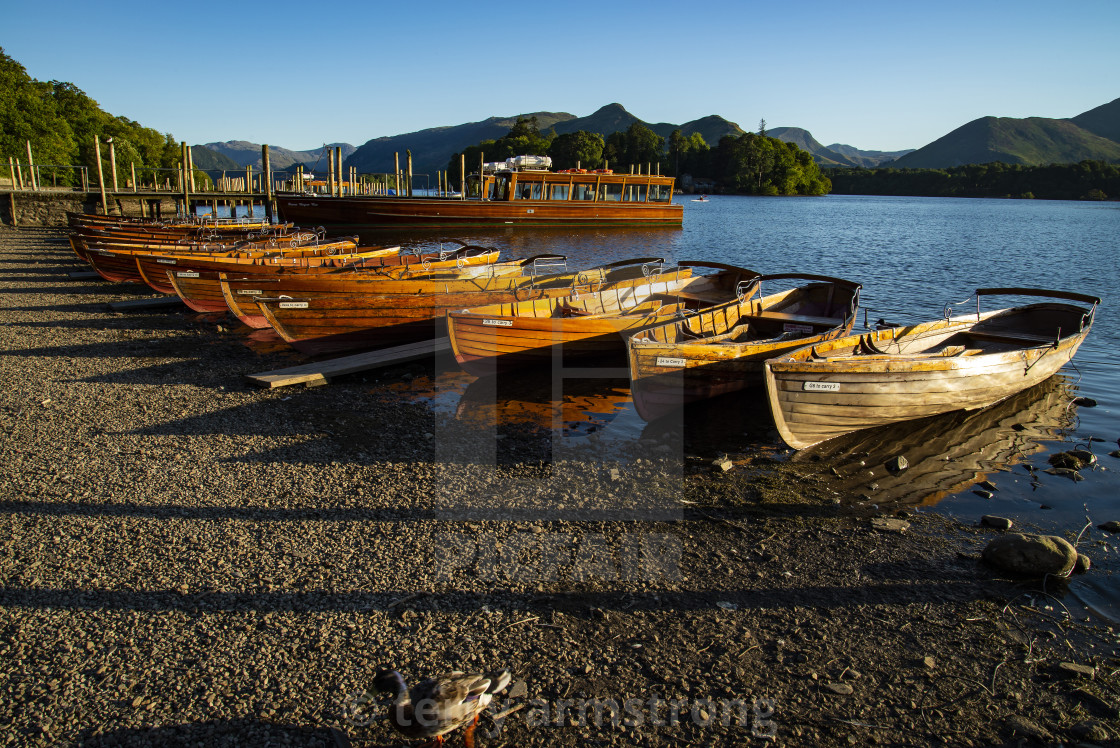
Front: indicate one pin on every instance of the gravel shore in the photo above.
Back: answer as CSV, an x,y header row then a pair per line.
x,y
191,561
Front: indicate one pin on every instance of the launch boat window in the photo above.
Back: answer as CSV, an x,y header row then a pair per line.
x,y
528,191
635,193
611,193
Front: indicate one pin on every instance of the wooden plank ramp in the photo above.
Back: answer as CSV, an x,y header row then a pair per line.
x,y
319,372
159,302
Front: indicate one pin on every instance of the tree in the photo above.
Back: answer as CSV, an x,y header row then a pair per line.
x,y
29,112
580,147
762,128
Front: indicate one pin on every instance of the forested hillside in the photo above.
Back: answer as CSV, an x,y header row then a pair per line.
x,y
61,122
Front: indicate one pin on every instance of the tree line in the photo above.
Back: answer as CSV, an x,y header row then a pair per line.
x,y
751,163
1087,180
61,122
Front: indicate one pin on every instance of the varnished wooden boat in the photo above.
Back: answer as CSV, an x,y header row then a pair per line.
x,y
308,242
201,288
340,322
499,337
721,350
119,265
965,362
154,269
184,224
241,290
512,196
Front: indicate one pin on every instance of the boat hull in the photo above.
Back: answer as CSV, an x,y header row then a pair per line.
x,y
814,397
721,350
495,339
405,212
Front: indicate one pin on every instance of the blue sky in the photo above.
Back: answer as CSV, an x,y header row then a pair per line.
x,y
875,75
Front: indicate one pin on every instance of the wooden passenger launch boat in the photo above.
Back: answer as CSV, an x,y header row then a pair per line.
x,y
823,391
514,193
490,339
386,312
721,350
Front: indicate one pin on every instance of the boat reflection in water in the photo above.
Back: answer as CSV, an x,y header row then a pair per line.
x,y
581,408
947,453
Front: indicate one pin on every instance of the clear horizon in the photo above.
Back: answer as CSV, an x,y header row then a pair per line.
x,y
876,75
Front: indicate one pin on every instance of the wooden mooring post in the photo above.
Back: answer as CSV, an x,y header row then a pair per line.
x,y
100,175
31,169
266,177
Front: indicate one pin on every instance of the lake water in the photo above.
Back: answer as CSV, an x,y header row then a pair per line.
x,y
913,256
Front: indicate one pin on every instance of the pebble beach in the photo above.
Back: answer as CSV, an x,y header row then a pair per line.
x,y
190,560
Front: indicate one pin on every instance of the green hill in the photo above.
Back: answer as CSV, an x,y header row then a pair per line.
x,y
1028,141
804,140
243,153
210,160
1103,121
432,148
867,159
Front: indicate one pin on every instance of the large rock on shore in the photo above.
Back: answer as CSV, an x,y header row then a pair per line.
x,y
1031,555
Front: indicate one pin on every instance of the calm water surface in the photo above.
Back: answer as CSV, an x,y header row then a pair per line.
x,y
913,256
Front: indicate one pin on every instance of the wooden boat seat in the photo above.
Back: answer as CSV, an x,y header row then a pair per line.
x,y
802,318
668,309
1011,337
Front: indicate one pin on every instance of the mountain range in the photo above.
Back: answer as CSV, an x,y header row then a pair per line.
x,y
433,148
1094,135
241,153
835,154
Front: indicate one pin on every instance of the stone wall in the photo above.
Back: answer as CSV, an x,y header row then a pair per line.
x,y
49,208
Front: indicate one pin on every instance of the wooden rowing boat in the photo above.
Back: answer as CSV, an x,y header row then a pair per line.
x,y
154,269
200,284
185,224
823,391
339,322
721,350
241,290
307,242
119,265
499,337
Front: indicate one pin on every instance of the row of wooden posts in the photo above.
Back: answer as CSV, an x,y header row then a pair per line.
x,y
264,184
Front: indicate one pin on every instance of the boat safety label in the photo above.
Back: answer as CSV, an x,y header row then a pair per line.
x,y
186,274
820,386
498,322
293,304
249,292
165,261
663,361
790,327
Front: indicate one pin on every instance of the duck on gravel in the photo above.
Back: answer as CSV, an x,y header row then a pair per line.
x,y
436,706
